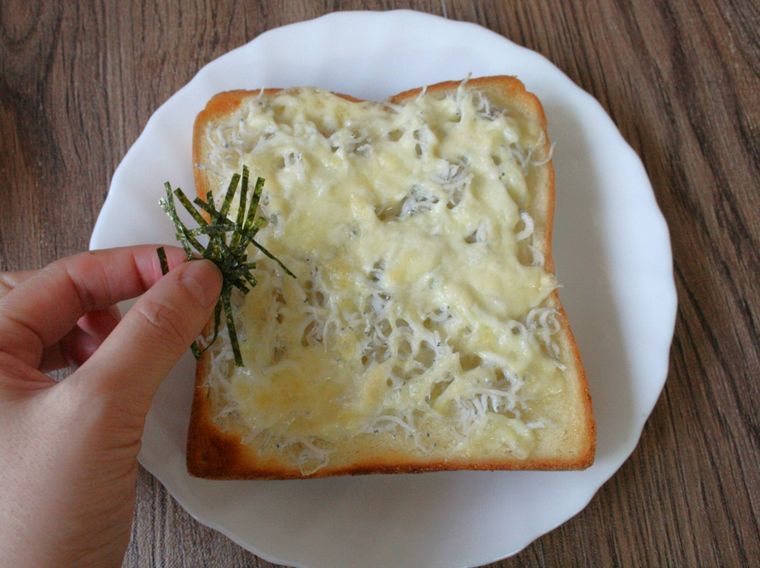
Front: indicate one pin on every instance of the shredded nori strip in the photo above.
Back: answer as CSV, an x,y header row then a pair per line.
x,y
161,252
231,257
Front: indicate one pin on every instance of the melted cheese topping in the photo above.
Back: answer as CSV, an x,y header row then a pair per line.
x,y
417,316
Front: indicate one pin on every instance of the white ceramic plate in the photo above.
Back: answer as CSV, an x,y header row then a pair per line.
x,y
612,253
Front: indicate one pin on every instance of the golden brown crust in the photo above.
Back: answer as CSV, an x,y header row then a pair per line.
x,y
215,454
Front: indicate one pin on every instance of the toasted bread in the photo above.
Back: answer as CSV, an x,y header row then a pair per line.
x,y
488,378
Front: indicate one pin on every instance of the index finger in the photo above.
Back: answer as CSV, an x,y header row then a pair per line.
x,y
10,280
45,306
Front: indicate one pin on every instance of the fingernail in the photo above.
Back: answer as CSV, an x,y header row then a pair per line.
x,y
202,280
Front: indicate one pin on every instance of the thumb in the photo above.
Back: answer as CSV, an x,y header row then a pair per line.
x,y
155,332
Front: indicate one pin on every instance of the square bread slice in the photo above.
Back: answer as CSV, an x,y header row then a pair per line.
x,y
424,330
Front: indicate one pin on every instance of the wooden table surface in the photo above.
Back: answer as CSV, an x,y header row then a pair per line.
x,y
78,81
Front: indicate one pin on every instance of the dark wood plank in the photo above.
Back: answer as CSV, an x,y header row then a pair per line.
x,y
78,81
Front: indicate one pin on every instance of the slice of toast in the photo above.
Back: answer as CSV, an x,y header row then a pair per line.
x,y
424,331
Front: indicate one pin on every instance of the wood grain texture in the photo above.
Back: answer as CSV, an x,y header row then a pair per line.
x,y
78,82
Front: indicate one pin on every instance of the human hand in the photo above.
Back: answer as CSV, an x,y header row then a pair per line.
x,y
68,451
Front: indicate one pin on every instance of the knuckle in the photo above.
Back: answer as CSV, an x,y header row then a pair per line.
x,y
164,322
